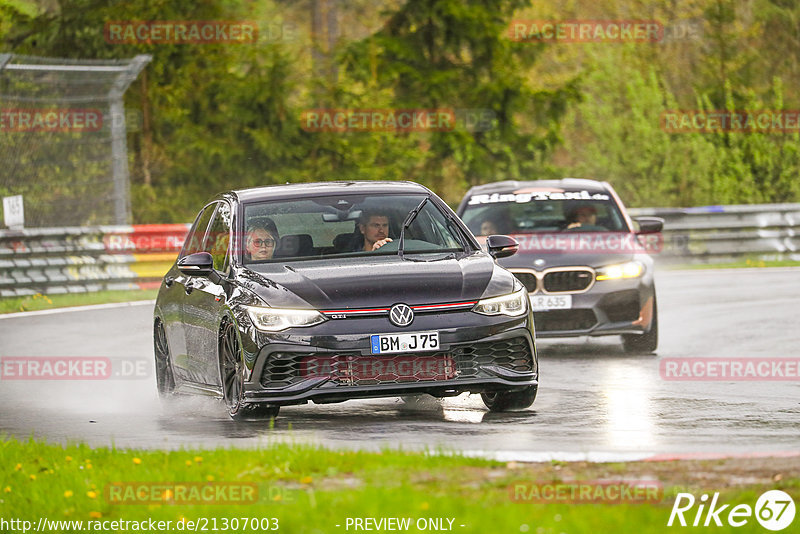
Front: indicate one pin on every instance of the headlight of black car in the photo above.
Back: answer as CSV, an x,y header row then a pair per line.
x,y
513,304
277,319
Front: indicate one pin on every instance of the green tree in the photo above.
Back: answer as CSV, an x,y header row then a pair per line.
x,y
455,54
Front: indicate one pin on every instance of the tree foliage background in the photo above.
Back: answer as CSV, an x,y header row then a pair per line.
x,y
217,116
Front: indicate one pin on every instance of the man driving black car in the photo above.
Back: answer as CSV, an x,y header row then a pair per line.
x,y
374,226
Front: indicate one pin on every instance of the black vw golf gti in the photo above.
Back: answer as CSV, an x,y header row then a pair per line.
x,y
333,291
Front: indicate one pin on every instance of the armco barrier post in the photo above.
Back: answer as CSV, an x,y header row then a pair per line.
x,y
119,148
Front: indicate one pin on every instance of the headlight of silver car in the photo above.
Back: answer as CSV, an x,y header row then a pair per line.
x,y
277,319
631,269
513,305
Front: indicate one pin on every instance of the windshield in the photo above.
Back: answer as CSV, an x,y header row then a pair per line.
x,y
344,225
551,210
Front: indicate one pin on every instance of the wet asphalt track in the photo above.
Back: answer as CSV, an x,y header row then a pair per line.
x,y
594,401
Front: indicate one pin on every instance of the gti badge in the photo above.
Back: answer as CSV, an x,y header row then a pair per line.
x,y
401,315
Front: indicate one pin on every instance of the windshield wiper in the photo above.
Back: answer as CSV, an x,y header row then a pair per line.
x,y
409,219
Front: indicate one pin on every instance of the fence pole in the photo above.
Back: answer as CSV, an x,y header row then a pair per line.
x,y
119,139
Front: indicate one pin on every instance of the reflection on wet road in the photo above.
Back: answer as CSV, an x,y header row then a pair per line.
x,y
594,400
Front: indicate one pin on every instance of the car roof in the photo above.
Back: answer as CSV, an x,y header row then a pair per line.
x,y
270,192
592,186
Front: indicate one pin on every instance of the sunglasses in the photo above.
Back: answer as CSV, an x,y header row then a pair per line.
x,y
269,243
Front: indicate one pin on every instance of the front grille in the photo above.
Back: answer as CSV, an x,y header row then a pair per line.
x,y
565,281
353,369
622,306
553,320
528,280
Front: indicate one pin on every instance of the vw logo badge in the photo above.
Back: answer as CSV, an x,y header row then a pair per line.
x,y
539,262
401,315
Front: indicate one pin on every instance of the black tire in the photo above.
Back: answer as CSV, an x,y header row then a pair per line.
x,y
231,369
165,377
643,343
232,372
505,401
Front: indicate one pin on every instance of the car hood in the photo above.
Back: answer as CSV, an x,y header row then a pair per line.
x,y
353,283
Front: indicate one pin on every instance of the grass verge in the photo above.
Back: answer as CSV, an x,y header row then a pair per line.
x,y
314,490
45,302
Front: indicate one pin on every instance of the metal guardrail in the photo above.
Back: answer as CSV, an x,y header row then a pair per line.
x,y
718,234
81,259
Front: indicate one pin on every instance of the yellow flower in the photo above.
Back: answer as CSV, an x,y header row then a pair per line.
x,y
95,515
167,495
88,466
17,467
7,489
306,480
188,463
277,498
198,459
33,477
137,461
91,494
68,458
425,506
68,494
210,478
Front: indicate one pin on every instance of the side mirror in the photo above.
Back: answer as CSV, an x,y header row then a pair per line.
x,y
501,246
197,264
649,225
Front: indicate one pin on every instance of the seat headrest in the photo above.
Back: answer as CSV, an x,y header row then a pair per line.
x,y
296,245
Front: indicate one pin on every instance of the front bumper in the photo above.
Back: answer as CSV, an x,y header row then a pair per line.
x,y
500,355
610,307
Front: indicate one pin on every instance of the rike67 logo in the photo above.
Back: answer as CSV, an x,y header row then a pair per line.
x,y
774,510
